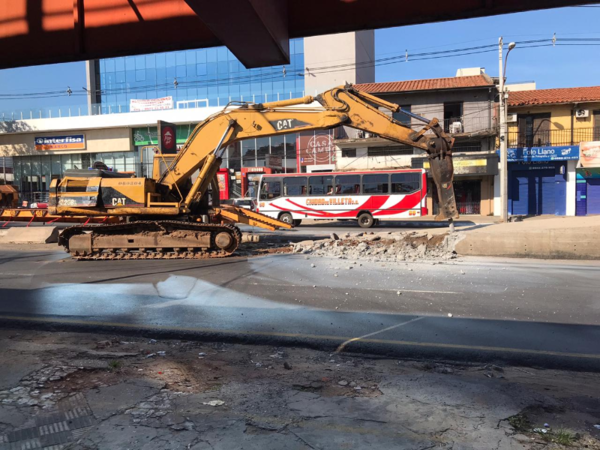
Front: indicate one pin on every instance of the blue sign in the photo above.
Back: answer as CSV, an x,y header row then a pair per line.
x,y
562,153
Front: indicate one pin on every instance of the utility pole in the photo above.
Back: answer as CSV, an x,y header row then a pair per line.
x,y
503,131
503,140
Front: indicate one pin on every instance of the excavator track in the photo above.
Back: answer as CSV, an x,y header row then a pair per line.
x,y
165,239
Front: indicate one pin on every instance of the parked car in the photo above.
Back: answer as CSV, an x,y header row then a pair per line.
x,y
245,202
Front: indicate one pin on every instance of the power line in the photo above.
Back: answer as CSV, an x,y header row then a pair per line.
x,y
276,74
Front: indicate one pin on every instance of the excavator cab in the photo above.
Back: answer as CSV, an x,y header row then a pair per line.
x,y
160,164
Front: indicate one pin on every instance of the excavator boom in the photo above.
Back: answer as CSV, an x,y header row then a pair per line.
x,y
192,225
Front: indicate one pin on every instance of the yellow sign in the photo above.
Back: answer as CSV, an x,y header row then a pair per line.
x,y
463,163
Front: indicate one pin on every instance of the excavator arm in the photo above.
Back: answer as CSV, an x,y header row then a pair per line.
x,y
339,106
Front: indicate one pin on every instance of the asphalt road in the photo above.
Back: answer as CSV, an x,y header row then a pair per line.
x,y
516,311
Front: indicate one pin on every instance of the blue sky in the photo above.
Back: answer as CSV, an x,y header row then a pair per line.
x,y
560,66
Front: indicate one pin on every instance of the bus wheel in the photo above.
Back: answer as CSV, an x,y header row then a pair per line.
x,y
287,218
365,220
297,222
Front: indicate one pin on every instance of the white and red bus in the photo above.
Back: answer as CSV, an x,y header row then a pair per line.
x,y
362,196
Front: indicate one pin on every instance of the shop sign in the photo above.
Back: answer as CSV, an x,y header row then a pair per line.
x,y
532,165
152,104
273,161
589,154
588,173
559,153
70,142
464,166
316,148
149,135
167,132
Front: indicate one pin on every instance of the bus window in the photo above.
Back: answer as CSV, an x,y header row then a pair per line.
x,y
294,186
320,185
405,183
347,184
270,189
376,183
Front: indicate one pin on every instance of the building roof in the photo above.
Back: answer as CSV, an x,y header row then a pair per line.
x,y
554,96
431,84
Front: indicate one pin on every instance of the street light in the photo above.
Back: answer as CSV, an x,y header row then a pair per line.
x,y
503,137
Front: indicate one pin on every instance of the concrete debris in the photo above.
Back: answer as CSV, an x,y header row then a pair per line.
x,y
449,314
214,403
287,366
597,427
384,247
343,383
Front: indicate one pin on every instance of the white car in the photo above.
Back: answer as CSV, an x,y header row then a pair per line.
x,y
245,202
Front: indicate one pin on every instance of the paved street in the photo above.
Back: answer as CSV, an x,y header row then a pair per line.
x,y
523,311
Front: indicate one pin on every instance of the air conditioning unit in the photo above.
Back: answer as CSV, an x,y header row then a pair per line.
x,y
582,113
456,127
511,118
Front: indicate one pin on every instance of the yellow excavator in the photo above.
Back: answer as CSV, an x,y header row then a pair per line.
x,y
169,216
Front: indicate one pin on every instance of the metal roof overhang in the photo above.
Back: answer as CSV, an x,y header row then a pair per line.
x,y
256,31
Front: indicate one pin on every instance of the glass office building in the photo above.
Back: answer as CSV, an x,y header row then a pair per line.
x,y
195,78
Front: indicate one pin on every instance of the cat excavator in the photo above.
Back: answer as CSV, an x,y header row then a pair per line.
x,y
174,215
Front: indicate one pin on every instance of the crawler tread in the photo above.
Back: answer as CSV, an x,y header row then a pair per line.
x,y
140,226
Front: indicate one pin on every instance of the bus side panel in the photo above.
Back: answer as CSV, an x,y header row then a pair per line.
x,y
424,210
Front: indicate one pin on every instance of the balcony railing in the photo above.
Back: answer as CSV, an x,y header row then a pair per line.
x,y
96,109
547,138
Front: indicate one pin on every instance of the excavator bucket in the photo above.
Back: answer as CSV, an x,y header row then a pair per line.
x,y
241,215
442,172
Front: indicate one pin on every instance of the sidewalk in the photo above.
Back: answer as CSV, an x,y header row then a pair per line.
x,y
537,237
72,391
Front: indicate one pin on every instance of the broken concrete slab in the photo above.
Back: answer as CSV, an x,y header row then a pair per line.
x,y
105,401
30,235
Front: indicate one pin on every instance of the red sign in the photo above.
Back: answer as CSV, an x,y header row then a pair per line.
x,y
223,180
316,148
168,138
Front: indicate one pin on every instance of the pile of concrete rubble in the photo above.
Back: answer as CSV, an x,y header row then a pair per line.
x,y
385,246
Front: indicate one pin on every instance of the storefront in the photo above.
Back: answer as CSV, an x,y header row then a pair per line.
x,y
39,157
473,183
588,179
537,179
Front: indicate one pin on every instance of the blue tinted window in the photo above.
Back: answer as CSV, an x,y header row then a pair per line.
x,y
140,62
181,71
211,55
150,61
180,58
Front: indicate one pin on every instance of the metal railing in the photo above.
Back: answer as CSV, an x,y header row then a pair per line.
x,y
454,125
53,112
466,208
547,138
